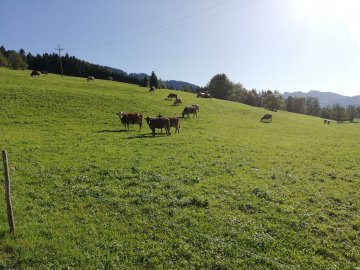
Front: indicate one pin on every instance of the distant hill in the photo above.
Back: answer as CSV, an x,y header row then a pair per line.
x,y
177,85
327,98
116,70
180,85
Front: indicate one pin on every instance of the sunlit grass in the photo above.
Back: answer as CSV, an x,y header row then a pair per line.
x,y
227,192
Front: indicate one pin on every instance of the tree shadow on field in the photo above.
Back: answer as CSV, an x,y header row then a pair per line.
x,y
119,130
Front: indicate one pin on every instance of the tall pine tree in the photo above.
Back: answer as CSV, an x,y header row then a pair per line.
x,y
154,80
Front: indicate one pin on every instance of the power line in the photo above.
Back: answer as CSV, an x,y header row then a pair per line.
x,y
167,26
156,17
60,49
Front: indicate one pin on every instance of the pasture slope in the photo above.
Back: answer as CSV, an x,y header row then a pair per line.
x,y
227,192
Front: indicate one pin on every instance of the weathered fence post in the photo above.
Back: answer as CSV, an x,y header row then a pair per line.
x,y
7,192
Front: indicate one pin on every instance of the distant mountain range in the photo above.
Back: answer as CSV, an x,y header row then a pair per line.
x,y
327,98
178,85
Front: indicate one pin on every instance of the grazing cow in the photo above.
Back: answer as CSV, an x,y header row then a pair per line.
x,y
196,106
171,96
90,78
35,73
130,118
158,122
152,89
203,95
188,110
177,101
266,118
150,118
175,122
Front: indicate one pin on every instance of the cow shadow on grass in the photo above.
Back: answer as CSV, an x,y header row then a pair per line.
x,y
147,136
109,130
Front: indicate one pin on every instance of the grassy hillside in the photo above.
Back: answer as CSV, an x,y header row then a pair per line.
x,y
227,192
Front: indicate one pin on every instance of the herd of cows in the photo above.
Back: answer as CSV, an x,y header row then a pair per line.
x,y
160,121
166,122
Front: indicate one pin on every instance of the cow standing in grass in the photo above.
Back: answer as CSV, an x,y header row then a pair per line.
x,y
171,96
196,106
35,73
175,123
130,118
177,101
90,78
189,110
266,118
158,122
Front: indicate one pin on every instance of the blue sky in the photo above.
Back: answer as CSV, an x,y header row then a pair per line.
x,y
285,45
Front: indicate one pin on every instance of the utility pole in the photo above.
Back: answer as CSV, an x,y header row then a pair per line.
x,y
60,49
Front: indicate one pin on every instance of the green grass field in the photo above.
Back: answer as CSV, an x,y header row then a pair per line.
x,y
227,192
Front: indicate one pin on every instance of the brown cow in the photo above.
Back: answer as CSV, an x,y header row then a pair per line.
x,y
171,96
159,122
266,118
188,110
35,73
177,101
130,118
175,122
196,106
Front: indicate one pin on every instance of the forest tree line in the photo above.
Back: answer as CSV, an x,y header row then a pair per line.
x,y
72,66
219,86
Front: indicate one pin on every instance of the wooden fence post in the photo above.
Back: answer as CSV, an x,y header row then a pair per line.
x,y
7,192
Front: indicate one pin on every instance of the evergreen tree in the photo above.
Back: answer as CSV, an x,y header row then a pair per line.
x,y
339,113
351,113
22,54
145,82
154,80
3,60
15,61
3,51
